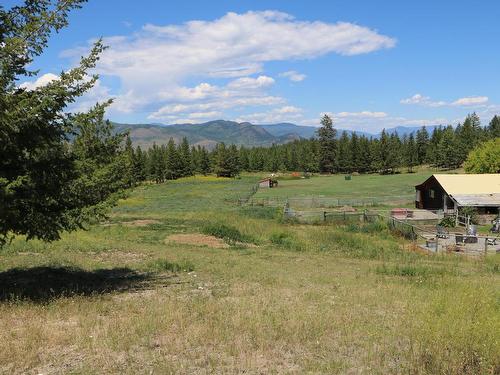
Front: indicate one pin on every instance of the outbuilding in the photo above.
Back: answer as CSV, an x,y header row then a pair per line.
x,y
268,183
448,192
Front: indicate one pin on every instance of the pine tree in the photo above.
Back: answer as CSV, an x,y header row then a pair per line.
x,y
449,152
173,166
422,145
222,166
41,180
494,127
344,153
385,158
411,153
140,165
204,162
327,145
233,160
185,162
355,151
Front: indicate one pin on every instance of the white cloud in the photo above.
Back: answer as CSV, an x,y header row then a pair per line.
x,y
281,114
362,114
204,115
293,76
154,63
426,101
471,101
251,83
218,105
39,82
422,100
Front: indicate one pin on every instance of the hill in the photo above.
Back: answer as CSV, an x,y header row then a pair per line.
x,y
207,134
210,133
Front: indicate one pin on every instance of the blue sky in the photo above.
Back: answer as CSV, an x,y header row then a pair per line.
x,y
370,64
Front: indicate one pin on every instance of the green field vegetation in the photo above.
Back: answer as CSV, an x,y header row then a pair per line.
x,y
397,187
249,293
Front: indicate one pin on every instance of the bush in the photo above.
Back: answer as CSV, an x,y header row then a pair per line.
x,y
286,240
227,233
470,211
447,222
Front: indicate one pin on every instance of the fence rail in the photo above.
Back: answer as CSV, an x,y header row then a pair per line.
x,y
321,202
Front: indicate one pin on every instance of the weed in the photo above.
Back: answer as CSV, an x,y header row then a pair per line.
x,y
285,240
227,233
160,265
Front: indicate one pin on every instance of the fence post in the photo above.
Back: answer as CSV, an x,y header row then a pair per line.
x,y
485,246
344,216
437,243
324,216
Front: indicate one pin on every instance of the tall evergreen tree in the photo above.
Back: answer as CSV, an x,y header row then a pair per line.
x,y
494,127
204,162
344,160
173,166
185,162
327,145
41,182
410,153
422,145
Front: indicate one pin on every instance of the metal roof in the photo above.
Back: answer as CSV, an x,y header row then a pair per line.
x,y
480,200
472,189
464,184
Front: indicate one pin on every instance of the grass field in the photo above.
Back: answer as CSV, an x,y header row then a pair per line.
x,y
397,187
181,280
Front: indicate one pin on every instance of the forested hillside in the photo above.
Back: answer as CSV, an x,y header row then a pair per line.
x,y
444,147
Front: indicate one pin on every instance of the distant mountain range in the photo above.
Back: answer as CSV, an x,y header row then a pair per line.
x,y
210,133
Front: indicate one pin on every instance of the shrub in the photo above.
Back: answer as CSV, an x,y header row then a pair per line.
x,y
227,233
285,240
447,222
470,211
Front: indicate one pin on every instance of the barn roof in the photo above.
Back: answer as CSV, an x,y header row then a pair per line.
x,y
471,189
465,184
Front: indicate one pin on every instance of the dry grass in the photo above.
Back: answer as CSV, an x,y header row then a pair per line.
x,y
308,299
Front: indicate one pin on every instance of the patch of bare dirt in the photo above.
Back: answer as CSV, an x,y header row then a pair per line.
x,y
197,239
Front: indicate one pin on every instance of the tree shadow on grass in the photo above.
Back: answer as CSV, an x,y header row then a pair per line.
x,y
43,284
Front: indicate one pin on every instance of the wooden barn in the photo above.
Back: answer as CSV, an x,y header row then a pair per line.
x,y
268,183
448,192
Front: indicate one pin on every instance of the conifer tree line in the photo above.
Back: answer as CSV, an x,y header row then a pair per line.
x,y
445,147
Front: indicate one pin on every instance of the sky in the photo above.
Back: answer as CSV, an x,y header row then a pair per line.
x,y
368,64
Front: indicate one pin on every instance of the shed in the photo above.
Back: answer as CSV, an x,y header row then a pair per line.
x,y
268,183
448,192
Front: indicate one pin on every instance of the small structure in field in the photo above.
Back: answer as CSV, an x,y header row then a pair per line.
x,y
448,192
268,183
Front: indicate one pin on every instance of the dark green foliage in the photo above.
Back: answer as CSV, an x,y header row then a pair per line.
x,y
485,158
471,212
353,153
447,222
327,146
286,240
43,177
227,233
494,127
